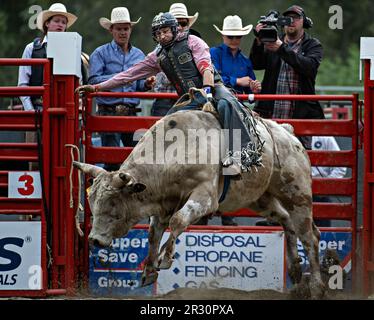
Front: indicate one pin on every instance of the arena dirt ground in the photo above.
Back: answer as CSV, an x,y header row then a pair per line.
x,y
220,294
205,294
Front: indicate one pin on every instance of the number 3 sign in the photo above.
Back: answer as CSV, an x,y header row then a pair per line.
x,y
24,185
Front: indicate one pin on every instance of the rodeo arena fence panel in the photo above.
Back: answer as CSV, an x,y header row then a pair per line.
x,y
46,255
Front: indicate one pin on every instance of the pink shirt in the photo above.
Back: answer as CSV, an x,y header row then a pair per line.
x,y
149,66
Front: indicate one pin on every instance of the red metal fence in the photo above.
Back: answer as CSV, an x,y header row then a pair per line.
x,y
60,127
321,186
368,211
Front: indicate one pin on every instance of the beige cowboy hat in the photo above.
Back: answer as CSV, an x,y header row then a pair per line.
x,y
179,11
119,15
54,10
232,26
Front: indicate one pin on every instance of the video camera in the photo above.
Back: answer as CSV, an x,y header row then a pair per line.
x,y
272,20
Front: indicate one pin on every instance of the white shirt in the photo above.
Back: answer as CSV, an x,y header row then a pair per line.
x,y
327,143
24,75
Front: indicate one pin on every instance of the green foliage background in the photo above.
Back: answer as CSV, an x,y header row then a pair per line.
x,y
339,67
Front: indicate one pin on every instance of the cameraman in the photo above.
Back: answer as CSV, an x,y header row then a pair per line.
x,y
291,65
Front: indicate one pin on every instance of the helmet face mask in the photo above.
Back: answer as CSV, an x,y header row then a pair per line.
x,y
164,20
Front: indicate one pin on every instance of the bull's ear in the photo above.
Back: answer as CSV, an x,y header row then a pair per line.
x,y
89,169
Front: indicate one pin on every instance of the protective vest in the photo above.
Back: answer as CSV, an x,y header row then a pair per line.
x,y
39,51
177,63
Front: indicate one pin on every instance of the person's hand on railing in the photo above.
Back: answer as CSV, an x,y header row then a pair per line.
x,y
255,86
88,88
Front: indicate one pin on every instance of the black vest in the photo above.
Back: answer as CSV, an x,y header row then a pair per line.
x,y
39,51
177,63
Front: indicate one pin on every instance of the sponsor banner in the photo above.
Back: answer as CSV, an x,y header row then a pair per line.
x,y
245,261
117,270
24,185
20,255
339,242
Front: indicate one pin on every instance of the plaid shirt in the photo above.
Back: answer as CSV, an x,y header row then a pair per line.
x,y
288,83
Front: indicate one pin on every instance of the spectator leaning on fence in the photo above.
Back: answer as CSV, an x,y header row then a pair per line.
x,y
55,19
107,61
291,64
234,67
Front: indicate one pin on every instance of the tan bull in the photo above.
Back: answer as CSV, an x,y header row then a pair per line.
x,y
176,195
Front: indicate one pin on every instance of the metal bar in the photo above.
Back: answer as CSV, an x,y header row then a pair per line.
x,y
21,91
20,204
345,158
320,127
328,186
17,120
116,123
107,154
21,212
22,62
262,97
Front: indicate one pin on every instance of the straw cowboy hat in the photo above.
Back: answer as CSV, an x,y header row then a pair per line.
x,y
232,26
119,15
179,11
54,10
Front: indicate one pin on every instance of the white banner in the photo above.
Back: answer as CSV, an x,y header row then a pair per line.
x,y
20,255
245,261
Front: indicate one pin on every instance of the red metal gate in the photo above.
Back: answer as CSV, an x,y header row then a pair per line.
x,y
59,128
368,212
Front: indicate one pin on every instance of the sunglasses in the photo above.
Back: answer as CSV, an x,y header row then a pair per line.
x,y
234,37
183,24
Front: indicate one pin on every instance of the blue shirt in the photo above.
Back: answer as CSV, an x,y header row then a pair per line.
x,y
108,60
230,68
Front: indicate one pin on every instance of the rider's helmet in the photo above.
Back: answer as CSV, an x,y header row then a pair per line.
x,y
163,20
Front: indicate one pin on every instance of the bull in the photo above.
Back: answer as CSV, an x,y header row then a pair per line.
x,y
175,194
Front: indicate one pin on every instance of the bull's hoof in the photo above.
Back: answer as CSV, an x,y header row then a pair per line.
x,y
317,290
300,291
149,279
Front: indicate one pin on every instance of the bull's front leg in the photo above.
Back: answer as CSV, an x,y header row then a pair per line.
x,y
156,231
199,204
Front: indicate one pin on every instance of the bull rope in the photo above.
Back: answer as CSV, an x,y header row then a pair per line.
x,y
77,225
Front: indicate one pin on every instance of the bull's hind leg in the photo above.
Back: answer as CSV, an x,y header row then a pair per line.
x,y
272,209
309,235
156,230
198,205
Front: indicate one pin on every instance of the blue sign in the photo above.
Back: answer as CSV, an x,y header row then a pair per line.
x,y
341,243
117,270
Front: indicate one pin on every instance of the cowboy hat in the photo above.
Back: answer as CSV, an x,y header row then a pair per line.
x,y
119,15
232,26
54,10
179,11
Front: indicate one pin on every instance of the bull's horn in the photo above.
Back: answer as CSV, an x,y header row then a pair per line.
x,y
89,169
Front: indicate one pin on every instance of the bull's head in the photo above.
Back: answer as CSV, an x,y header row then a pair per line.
x,y
108,198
